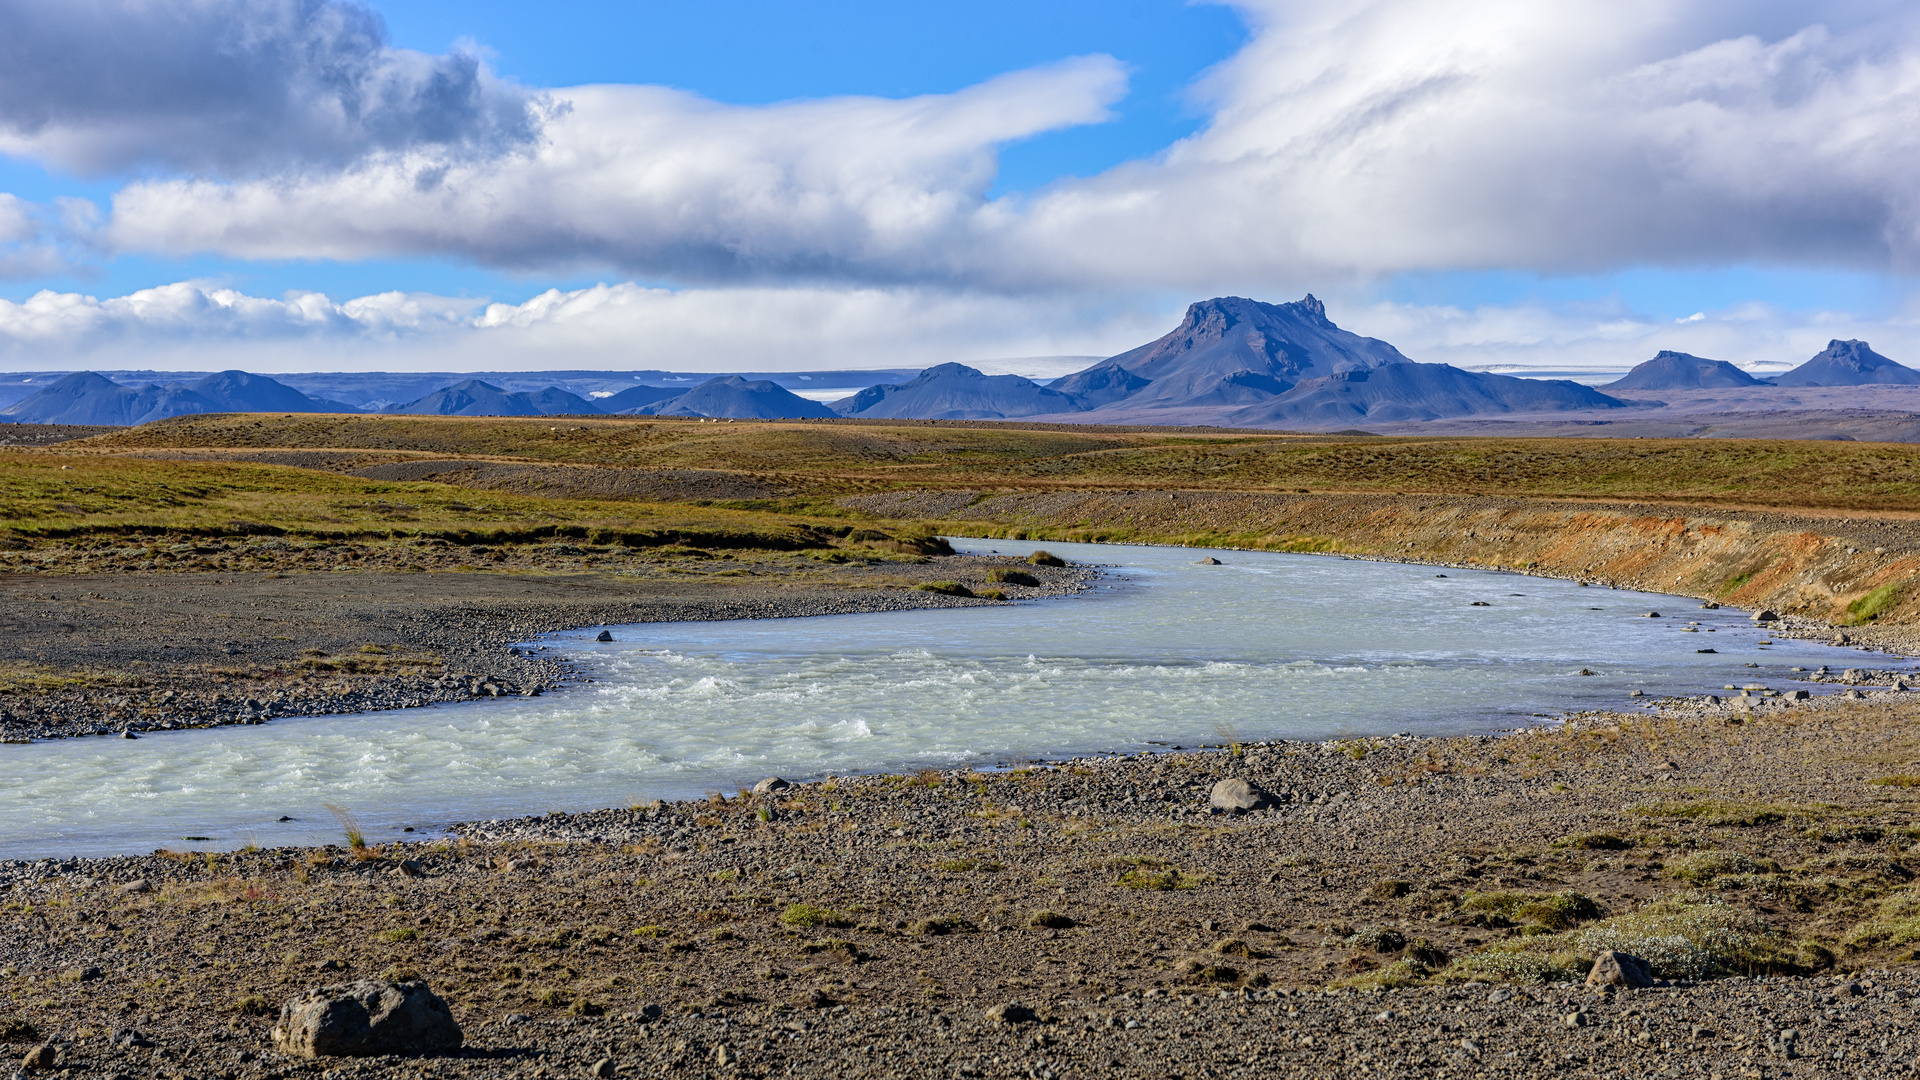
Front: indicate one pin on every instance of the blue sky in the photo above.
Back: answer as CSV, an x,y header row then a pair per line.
x,y
860,182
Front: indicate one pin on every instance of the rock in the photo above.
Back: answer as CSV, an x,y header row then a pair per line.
x,y
604,635
1209,561
1237,796
1500,995
1765,616
1613,968
1651,615
137,885
330,965
127,733
1012,1012
1583,671
770,785
40,1058
1850,989
1798,695
366,1019
724,1055
1853,675
409,868
603,1067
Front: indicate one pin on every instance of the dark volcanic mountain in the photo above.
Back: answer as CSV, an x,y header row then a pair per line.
x,y
635,398
957,392
1848,363
1229,351
1410,391
86,398
475,398
1670,370
733,397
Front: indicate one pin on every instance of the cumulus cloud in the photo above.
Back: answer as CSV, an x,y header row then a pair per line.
x,y
659,181
239,87
198,325
620,326
1344,141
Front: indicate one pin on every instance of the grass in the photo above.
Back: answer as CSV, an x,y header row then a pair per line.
x,y
1702,867
350,825
1681,937
811,916
1895,923
1726,814
1874,604
822,459
1552,911
1903,781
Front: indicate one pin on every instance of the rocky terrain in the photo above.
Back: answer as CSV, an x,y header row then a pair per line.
x,y
1400,906
101,648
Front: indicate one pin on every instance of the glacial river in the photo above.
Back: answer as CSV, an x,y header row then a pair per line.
x,y
1164,652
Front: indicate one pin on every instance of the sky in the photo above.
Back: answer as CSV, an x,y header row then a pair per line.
x,y
298,185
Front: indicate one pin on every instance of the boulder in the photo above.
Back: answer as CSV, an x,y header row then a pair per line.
x,y
41,1058
366,1019
770,785
1766,616
1612,968
1237,796
604,635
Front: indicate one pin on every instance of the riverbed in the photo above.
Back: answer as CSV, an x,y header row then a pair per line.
x,y
1164,652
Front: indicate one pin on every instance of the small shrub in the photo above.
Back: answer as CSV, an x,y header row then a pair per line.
x,y
1236,947
551,998
993,594
583,1007
1896,923
944,588
398,935
1012,577
1595,841
944,924
1202,971
1507,964
1895,781
1041,558
1379,939
1874,604
657,931
810,916
1704,866
1394,976
254,1005
1049,920
18,1029
1685,937
1561,910
1390,889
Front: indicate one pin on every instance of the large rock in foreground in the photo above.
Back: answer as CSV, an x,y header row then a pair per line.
x,y
1236,796
366,1019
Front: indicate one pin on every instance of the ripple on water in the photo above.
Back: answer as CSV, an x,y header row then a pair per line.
x,y
1266,646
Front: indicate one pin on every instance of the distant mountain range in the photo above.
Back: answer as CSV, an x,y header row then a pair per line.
x,y
1231,361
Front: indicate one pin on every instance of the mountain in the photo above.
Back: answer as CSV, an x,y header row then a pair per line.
x,y
1848,363
87,398
634,398
957,392
238,391
1411,391
1670,370
475,398
731,396
1229,351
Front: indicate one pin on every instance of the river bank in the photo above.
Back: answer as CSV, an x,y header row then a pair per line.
x,y
1846,576
864,925
106,653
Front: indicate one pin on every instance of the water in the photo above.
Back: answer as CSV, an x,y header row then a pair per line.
x,y
1164,653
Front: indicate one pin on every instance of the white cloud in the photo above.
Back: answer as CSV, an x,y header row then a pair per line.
x,y
200,326
623,326
1345,141
661,181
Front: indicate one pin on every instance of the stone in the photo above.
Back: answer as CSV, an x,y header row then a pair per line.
x,y
409,868
40,1058
1612,968
1209,561
1853,675
1012,1012
127,733
366,1019
1798,695
603,1067
1236,796
770,785
1765,616
1584,671
1651,615
1500,995
137,885
724,1055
